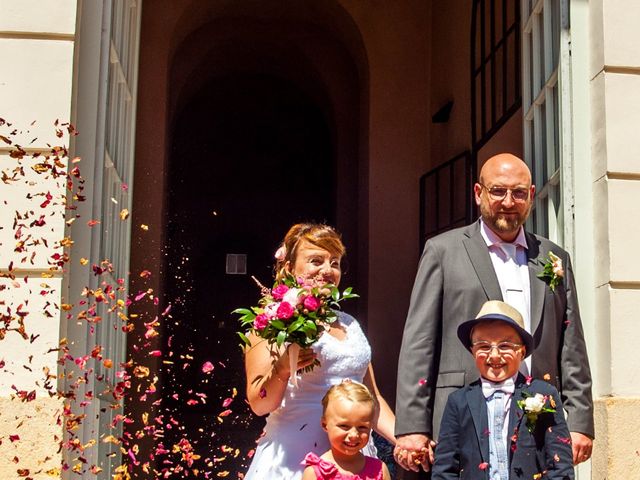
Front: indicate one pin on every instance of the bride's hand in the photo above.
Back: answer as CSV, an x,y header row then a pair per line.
x,y
306,357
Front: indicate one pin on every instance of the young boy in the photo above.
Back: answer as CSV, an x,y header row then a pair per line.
x,y
503,426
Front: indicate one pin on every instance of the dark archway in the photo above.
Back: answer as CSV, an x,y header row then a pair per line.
x,y
255,114
251,155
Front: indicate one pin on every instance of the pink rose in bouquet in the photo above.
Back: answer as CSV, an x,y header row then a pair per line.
x,y
311,303
261,321
279,291
285,310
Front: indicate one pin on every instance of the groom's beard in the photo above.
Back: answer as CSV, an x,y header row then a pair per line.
x,y
501,223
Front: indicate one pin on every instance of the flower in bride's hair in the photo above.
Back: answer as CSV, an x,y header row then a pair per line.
x,y
260,322
281,253
278,292
285,310
311,303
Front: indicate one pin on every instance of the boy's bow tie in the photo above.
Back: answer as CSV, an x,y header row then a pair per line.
x,y
489,388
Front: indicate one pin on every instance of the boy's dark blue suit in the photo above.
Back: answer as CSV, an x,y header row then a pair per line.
x,y
463,444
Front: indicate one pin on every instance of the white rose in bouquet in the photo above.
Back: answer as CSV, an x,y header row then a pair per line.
x,y
293,297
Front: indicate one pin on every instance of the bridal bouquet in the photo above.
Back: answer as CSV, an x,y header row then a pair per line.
x,y
293,311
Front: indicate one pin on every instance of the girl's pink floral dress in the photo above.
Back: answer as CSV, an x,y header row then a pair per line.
x,y
326,470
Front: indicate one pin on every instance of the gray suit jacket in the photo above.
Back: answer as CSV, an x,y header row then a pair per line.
x,y
454,279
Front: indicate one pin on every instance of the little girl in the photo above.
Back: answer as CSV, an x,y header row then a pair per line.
x,y
348,411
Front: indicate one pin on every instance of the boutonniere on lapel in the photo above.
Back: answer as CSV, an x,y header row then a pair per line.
x,y
553,272
534,405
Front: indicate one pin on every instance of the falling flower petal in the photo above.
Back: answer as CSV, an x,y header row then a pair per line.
x,y
207,367
98,313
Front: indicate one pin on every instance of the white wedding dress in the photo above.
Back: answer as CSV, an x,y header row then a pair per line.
x,y
293,430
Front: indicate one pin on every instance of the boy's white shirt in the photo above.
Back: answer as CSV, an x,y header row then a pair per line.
x,y
491,402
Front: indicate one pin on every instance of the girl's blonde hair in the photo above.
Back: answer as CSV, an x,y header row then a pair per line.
x,y
350,390
317,234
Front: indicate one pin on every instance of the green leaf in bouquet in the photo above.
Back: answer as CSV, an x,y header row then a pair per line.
x,y
295,325
307,342
331,317
282,336
244,338
310,328
248,316
348,294
247,322
289,280
335,294
279,324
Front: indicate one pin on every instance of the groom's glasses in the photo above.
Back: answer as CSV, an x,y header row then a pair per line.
x,y
499,193
485,348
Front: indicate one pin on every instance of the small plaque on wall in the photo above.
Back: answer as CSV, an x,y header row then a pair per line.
x,y
236,264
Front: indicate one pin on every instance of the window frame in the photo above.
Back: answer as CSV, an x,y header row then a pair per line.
x,y
487,114
546,74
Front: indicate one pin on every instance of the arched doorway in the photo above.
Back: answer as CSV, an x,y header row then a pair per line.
x,y
251,154
261,129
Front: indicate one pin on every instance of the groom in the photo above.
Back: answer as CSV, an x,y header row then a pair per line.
x,y
492,259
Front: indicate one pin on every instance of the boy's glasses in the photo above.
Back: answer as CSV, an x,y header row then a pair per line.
x,y
499,193
485,348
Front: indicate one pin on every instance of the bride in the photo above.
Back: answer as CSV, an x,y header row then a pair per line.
x,y
293,429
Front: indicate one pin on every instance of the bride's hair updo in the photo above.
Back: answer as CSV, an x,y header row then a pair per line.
x,y
349,390
317,234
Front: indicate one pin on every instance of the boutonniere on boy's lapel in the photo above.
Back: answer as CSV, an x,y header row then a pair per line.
x,y
534,405
553,272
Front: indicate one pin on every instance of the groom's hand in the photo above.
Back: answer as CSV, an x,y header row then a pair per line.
x,y
414,450
581,446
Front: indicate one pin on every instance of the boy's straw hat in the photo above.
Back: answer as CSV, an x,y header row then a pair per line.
x,y
496,310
